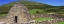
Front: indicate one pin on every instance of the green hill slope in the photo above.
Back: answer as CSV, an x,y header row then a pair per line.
x,y
32,5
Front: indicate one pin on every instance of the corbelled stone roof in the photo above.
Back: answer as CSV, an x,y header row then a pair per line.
x,y
19,11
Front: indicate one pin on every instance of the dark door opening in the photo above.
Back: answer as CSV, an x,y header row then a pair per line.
x,y
15,19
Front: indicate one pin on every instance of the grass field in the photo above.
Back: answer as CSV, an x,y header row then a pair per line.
x,y
42,19
33,11
59,23
3,14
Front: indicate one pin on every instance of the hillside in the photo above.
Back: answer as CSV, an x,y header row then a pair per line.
x,y
33,5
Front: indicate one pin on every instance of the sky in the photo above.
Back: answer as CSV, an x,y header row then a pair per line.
x,y
49,2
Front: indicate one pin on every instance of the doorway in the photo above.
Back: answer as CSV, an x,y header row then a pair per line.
x,y
15,19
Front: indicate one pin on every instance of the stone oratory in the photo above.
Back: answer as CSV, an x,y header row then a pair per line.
x,y
18,14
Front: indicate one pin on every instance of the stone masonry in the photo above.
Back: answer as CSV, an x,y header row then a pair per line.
x,y
18,14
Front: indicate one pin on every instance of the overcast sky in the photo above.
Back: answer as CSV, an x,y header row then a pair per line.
x,y
50,2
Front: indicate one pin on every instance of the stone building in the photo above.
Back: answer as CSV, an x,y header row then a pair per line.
x,y
18,14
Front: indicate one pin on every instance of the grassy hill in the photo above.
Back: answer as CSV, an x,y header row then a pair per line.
x,y
32,6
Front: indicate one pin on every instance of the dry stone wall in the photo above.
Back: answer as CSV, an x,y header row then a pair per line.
x,y
46,15
42,15
52,21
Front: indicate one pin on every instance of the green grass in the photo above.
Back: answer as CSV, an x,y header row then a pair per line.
x,y
42,19
3,14
34,11
59,23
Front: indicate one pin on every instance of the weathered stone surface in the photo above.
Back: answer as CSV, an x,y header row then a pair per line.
x,y
21,12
